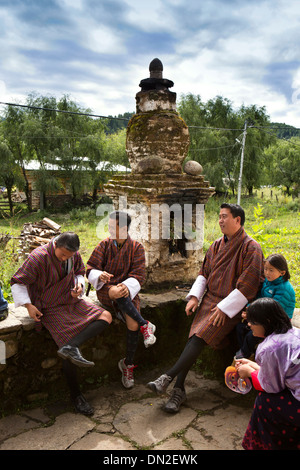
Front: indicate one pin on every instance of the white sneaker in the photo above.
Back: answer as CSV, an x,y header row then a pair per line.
x,y
148,331
127,373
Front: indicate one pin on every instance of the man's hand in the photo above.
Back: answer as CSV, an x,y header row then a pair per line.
x,y
34,312
105,277
191,306
217,317
77,291
118,291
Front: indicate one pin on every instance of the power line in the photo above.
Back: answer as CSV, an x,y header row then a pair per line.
x,y
63,111
212,148
215,128
127,119
286,126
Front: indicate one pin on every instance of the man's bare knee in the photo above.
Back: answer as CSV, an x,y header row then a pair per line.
x,y
106,316
113,293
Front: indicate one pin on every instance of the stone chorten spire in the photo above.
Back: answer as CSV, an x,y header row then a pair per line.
x,y
157,191
157,137
156,80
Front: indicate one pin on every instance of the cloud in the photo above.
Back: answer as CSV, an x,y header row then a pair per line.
x,y
98,51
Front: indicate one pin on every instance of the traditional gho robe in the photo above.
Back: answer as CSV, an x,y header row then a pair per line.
x,y
127,264
230,277
46,282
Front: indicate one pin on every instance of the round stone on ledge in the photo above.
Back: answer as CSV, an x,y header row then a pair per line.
x,y
193,168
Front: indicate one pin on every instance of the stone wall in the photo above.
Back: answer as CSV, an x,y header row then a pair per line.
x,y
32,370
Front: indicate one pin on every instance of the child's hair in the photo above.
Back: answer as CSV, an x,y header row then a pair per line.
x,y
279,262
270,314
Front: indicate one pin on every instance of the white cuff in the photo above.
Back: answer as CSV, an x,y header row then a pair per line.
x,y
93,278
198,288
233,303
133,286
80,280
20,295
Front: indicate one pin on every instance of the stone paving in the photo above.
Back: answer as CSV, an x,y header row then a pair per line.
x,y
213,418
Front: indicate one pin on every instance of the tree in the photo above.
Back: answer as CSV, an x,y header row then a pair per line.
x,y
41,137
117,123
284,163
81,148
12,128
115,148
258,137
10,172
216,132
213,128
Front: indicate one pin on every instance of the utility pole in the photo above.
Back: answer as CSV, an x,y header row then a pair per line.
x,y
242,163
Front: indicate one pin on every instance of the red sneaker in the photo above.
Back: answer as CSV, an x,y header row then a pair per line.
x,y
148,331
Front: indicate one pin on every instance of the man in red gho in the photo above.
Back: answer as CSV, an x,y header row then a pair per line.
x,y
50,284
117,271
230,277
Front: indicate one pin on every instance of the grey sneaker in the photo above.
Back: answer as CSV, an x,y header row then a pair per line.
x,y
161,384
127,373
178,397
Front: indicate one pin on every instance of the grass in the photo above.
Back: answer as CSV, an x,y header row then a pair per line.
x,y
273,220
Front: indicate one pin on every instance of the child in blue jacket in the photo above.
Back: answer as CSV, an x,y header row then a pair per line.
x,y
275,285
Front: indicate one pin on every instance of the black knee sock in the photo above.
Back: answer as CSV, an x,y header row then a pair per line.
x,y
70,371
126,306
132,343
186,360
93,329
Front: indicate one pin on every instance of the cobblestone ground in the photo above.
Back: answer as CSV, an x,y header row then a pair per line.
x,y
213,418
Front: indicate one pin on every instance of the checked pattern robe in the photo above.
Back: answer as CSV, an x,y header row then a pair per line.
x,y
229,264
126,264
49,288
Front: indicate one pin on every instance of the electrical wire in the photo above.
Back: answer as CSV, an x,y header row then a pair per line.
x,y
266,128
63,111
127,119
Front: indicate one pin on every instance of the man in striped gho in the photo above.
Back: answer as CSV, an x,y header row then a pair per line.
x,y
230,277
116,269
50,284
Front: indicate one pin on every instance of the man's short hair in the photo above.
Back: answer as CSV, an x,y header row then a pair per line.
x,y
122,218
68,240
236,211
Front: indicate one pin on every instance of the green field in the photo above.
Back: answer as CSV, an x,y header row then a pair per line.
x,y
273,220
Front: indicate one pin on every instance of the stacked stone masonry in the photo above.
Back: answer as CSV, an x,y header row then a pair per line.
x,y
30,368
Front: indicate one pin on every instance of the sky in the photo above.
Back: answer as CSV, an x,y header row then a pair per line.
x,y
98,51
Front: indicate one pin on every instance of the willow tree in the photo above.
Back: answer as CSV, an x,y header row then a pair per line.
x,y
216,131
12,128
10,174
283,158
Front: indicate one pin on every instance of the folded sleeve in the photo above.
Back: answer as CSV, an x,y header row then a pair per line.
x,y
233,303
20,295
198,288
